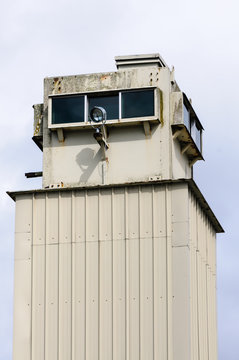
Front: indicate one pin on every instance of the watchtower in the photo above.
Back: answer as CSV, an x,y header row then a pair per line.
x,y
115,256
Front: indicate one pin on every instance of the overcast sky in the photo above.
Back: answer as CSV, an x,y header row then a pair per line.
x,y
200,38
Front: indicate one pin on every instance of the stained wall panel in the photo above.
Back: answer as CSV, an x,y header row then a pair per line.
x,y
79,214
105,301
65,301
160,303
39,221
181,303
22,327
78,300
119,214
22,334
65,217
52,302
38,302
146,298
52,218
23,219
119,299
92,300
119,268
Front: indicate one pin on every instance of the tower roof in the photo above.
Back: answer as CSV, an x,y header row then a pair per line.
x,y
130,61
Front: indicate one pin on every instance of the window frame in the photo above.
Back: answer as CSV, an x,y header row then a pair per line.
x,y
114,122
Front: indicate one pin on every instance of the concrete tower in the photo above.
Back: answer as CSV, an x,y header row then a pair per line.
x,y
115,257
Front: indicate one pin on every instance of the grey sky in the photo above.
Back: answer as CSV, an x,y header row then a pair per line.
x,y
200,38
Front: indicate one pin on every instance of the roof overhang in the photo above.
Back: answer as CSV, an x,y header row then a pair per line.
x,y
191,184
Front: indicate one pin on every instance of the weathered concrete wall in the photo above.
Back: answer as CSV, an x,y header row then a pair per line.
x,y
132,156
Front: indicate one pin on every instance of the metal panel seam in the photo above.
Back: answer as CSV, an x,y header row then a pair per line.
x,y
139,213
127,347
73,302
168,272
58,278
99,272
112,269
153,300
31,311
85,319
45,208
197,265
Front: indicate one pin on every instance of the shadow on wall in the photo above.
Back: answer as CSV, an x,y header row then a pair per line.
x,y
88,160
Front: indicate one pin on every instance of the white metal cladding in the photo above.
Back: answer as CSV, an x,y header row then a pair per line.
x,y
114,273
203,283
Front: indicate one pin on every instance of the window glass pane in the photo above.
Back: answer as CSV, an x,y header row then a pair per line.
x,y
68,109
186,117
137,103
109,103
198,139
196,134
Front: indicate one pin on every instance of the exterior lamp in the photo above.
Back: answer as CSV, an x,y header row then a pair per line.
x,y
98,114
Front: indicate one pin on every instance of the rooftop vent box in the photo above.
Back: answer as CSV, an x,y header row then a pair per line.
x,y
133,61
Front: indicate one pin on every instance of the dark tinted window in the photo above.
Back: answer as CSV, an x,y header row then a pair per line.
x,y
196,134
186,117
109,103
68,109
137,103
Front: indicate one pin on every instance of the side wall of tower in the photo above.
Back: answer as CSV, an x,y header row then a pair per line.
x,y
194,278
203,283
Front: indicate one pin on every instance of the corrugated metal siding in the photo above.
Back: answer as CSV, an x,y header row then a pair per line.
x,y
113,274
97,269
203,283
